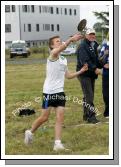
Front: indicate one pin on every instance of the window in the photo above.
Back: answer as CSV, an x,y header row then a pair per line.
x,y
13,8
35,43
52,27
57,10
61,11
28,44
32,8
7,27
58,27
70,11
51,10
24,8
29,27
24,28
40,10
74,11
37,27
46,27
7,8
65,11
45,9
28,8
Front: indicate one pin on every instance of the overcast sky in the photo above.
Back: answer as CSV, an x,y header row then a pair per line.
x,y
86,13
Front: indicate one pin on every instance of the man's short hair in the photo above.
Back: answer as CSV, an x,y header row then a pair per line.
x,y
51,41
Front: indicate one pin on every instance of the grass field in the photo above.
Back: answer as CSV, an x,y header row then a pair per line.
x,y
31,57
23,84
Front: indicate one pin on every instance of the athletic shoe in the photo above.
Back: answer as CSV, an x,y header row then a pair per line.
x,y
28,137
60,146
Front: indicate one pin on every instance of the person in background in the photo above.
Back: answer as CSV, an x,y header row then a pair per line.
x,y
104,59
87,53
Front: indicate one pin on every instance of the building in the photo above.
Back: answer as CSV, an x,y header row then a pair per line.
x,y
36,24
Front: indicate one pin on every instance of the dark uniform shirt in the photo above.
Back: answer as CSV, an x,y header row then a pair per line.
x,y
87,53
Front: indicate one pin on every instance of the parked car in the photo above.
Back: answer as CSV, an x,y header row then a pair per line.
x,y
71,49
18,48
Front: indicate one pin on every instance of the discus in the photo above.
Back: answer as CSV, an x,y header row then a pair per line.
x,y
82,26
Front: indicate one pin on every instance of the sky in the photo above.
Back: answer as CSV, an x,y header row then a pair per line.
x,y
86,13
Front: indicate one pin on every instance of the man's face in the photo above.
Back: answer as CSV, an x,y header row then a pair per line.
x,y
91,37
56,42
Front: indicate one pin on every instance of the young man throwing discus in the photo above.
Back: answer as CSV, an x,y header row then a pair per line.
x,y
53,89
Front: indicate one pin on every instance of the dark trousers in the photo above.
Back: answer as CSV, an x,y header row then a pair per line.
x,y
88,85
105,89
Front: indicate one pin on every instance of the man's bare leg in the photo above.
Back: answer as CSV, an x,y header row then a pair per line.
x,y
39,121
58,128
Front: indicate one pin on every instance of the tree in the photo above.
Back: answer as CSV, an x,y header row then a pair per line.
x,y
97,26
103,26
103,16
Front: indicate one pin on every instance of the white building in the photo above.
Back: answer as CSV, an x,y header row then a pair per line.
x,y
36,24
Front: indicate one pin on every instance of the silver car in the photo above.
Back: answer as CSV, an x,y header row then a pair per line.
x,y
18,48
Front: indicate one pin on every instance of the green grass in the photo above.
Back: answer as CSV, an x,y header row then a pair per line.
x,y
32,56
23,84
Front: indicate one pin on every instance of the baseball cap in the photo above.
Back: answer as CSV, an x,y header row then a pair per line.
x,y
90,31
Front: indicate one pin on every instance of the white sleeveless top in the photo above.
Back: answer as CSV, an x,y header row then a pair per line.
x,y
55,75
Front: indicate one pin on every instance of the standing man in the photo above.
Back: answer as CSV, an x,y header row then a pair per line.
x,y
53,89
87,53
